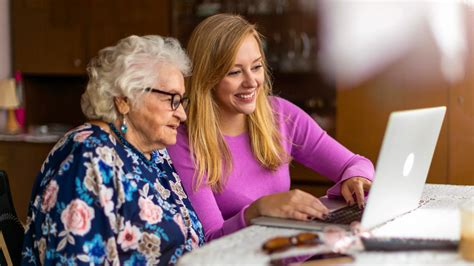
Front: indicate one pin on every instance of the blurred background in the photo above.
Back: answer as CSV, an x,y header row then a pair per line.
x,y
346,63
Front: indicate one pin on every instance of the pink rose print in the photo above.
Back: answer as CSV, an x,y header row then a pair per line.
x,y
195,238
49,196
105,197
42,250
129,237
77,217
149,212
81,136
178,219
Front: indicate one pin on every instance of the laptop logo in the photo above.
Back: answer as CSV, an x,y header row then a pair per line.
x,y
408,165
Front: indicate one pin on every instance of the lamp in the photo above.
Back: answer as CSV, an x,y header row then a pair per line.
x,y
9,101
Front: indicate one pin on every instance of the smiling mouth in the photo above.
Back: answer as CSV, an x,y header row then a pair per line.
x,y
245,96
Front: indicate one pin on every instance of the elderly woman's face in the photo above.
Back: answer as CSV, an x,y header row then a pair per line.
x,y
154,121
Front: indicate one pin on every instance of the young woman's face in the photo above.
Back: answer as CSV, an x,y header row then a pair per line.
x,y
153,122
237,92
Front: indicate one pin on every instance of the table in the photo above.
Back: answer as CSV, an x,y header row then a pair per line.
x,y
437,216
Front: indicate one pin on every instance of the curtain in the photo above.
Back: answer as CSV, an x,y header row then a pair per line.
x,y
5,51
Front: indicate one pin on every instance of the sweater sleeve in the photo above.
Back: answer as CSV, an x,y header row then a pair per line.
x,y
202,199
315,149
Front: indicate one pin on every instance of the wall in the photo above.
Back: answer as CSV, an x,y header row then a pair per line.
x,y
5,54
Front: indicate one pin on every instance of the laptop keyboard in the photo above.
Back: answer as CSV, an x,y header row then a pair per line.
x,y
344,215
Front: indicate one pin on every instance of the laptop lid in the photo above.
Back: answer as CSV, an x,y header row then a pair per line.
x,y
403,164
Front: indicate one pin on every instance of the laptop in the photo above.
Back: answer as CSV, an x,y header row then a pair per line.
x,y
401,171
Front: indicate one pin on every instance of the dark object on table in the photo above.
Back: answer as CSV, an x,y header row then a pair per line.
x,y
407,244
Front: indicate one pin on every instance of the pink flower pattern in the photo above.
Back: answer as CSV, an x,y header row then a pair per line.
x,y
178,219
81,136
195,239
77,217
149,212
96,202
50,196
128,238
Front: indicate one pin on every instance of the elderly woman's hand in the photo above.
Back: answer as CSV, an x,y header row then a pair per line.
x,y
355,185
294,204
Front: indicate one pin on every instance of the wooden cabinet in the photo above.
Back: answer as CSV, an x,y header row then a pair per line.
x,y
48,36
461,118
53,40
111,20
363,110
22,161
60,37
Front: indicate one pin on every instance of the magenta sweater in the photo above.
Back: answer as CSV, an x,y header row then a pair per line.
x,y
223,213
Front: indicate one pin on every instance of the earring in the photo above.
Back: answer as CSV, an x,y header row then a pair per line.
x,y
124,127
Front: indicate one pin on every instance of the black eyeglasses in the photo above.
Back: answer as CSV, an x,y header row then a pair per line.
x,y
176,98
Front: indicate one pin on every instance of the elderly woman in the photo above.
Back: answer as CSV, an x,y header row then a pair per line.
x,y
108,192
235,150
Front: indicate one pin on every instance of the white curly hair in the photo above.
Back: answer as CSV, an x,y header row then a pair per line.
x,y
126,69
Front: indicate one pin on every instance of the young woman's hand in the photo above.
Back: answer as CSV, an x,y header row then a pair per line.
x,y
355,186
294,204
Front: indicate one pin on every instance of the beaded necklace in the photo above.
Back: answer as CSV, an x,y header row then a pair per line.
x,y
154,153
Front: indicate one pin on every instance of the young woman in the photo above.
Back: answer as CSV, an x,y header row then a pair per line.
x,y
235,150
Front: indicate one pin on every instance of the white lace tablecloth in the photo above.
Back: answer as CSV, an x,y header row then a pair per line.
x,y
438,217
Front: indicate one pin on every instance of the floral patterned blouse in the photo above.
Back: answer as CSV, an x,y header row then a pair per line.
x,y
97,201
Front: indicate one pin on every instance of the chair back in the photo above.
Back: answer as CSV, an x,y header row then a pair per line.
x,y
11,229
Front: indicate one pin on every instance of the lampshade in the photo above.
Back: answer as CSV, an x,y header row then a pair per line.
x,y
8,97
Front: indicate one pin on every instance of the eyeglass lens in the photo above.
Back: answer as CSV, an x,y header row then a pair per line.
x,y
177,100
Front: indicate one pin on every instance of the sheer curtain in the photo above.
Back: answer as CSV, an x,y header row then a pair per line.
x,y
5,54
5,51
360,38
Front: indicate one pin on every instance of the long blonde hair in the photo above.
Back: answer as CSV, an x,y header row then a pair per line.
x,y
212,48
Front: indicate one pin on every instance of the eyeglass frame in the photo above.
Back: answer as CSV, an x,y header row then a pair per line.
x,y
184,101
